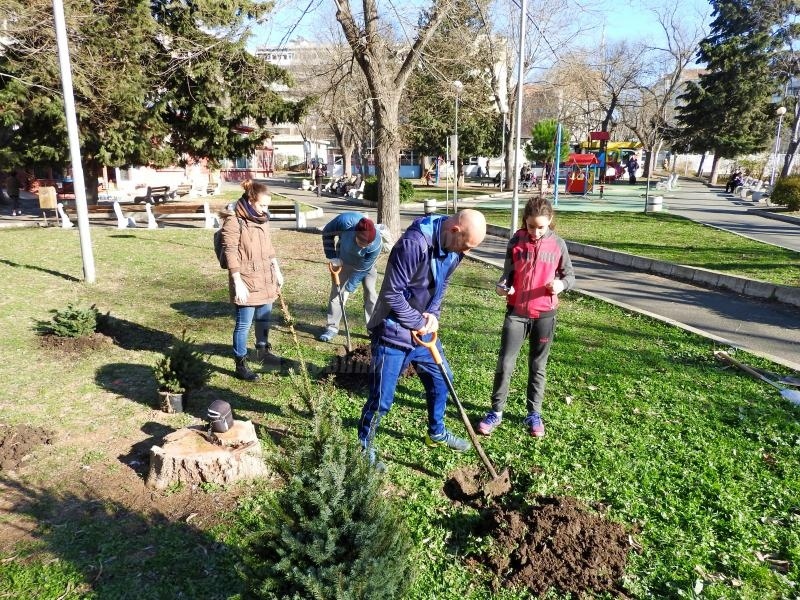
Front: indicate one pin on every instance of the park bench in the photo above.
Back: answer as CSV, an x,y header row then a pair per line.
x,y
102,212
669,183
155,194
489,181
158,214
183,189
65,191
287,212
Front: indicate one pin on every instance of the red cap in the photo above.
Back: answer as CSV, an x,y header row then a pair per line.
x,y
365,231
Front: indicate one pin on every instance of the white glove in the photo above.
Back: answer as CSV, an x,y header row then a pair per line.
x,y
278,274
555,287
431,324
336,263
241,292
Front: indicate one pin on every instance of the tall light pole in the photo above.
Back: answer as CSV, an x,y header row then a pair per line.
x,y
523,12
457,86
371,142
780,111
79,186
504,110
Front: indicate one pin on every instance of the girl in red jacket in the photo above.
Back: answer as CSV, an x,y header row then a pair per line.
x,y
537,269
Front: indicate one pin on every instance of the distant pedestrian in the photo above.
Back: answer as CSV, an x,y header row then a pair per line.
x,y
632,166
537,269
318,179
12,189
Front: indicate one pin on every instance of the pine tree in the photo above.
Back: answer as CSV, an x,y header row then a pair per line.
x,y
329,534
728,111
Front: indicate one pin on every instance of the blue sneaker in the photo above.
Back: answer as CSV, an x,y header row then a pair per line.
x,y
448,440
489,423
328,334
534,421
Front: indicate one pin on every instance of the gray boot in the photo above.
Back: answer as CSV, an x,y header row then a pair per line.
x,y
242,370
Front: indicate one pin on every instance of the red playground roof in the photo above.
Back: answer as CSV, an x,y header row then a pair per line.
x,y
582,160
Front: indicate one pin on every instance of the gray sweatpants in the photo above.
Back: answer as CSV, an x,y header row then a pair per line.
x,y
370,295
515,330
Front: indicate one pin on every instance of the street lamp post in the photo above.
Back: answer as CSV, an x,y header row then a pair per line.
x,y
457,86
371,141
503,146
780,111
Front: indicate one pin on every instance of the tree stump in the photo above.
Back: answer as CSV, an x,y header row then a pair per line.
x,y
192,456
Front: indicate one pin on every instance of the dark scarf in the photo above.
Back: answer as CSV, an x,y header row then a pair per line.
x,y
244,210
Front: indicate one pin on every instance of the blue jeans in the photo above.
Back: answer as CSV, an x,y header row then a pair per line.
x,y
386,365
245,315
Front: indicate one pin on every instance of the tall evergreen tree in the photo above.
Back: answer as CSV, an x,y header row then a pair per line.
x,y
455,53
728,110
151,84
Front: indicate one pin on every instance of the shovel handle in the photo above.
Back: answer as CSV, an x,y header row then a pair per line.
x,y
431,345
334,273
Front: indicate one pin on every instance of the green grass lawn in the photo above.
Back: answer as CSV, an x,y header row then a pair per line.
x,y
674,239
701,464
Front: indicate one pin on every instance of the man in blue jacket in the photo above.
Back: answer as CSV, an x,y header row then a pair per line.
x,y
413,288
351,242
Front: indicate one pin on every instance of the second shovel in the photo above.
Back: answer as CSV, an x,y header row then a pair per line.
x,y
335,278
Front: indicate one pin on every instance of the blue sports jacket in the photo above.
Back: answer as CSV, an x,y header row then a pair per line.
x,y
361,260
416,279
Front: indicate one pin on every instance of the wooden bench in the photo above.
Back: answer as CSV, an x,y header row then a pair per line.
x,y
155,194
113,211
490,181
287,212
180,211
183,190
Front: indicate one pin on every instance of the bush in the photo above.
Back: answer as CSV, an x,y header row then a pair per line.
x,y
787,192
182,368
371,189
71,322
328,533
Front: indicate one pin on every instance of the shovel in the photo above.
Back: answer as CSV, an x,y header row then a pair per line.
x,y
500,484
792,396
335,277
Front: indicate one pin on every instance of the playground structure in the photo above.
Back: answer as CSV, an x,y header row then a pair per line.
x,y
581,169
616,156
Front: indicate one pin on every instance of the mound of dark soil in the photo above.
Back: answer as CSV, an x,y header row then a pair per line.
x,y
78,345
16,442
558,543
350,370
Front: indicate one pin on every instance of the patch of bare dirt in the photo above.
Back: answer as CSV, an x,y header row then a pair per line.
x,y
78,345
19,441
558,543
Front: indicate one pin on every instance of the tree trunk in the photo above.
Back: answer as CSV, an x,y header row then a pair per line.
x,y
700,168
714,168
791,150
347,158
387,161
92,172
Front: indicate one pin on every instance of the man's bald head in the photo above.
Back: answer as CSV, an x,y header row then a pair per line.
x,y
464,230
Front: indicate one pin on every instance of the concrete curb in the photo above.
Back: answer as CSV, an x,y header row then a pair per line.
x,y
703,277
776,216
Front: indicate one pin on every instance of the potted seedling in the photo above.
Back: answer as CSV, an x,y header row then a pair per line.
x,y
180,371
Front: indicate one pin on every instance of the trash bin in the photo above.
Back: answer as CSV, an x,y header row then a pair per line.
x,y
654,204
430,206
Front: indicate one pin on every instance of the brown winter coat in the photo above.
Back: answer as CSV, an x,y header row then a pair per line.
x,y
250,254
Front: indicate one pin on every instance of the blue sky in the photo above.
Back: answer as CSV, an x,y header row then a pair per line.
x,y
616,19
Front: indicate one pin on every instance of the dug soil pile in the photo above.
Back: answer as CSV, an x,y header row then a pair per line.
x,y
558,543
350,370
17,442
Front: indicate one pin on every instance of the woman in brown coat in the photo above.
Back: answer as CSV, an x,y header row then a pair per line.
x,y
254,279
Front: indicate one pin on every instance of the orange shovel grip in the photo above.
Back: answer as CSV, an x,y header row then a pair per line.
x,y
334,273
431,345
